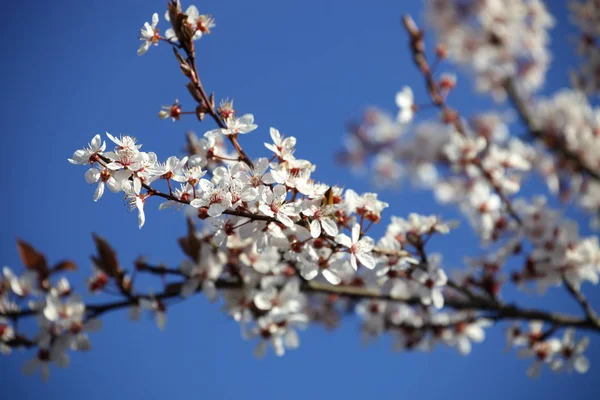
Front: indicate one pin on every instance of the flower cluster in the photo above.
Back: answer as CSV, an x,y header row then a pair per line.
x,y
61,318
497,40
585,14
570,128
559,355
282,250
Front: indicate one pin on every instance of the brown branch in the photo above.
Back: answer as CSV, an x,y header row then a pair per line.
x,y
587,308
493,310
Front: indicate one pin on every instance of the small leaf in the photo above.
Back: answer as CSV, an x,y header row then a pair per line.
x,y
65,265
32,259
106,259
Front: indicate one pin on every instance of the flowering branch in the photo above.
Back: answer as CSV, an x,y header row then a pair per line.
x,y
283,250
553,143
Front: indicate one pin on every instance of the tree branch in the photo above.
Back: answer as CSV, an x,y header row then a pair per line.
x,y
587,308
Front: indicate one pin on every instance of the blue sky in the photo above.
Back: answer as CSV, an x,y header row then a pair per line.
x,y
70,70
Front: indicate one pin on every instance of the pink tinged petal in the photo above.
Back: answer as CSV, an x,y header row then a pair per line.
x,y
581,364
344,240
331,277
329,226
315,229
189,287
366,260
30,366
92,175
99,191
161,319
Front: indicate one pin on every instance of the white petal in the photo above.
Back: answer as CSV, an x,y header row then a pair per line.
x,y
437,298
329,226
355,233
463,344
331,277
99,191
366,260
344,240
284,219
315,228
475,333
209,290
263,301
92,175
581,364
309,271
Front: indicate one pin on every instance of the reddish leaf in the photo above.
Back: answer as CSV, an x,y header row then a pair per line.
x,y
106,259
65,266
32,259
